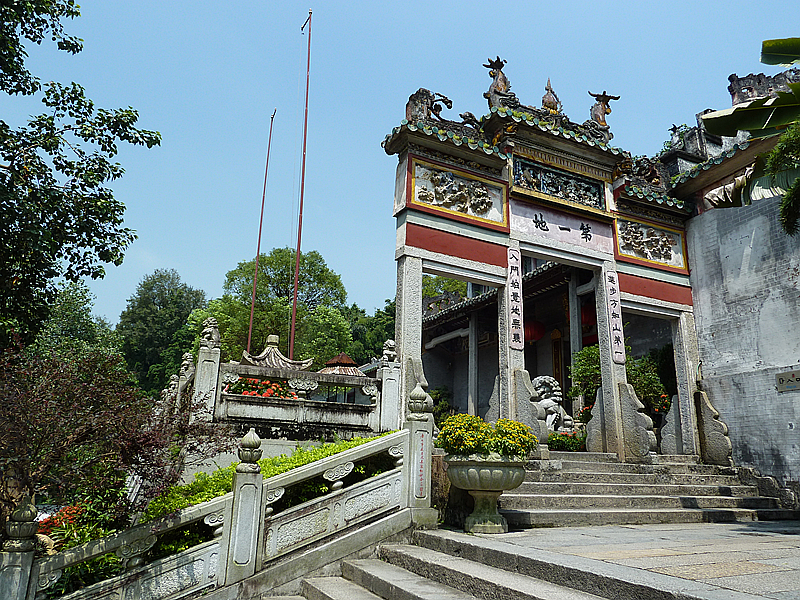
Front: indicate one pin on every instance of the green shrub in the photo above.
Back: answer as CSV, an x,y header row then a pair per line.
x,y
569,442
206,487
642,373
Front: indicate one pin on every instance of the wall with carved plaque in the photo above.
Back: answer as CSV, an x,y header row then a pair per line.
x,y
558,185
656,245
454,193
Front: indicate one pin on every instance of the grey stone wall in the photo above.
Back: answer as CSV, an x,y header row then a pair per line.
x,y
745,275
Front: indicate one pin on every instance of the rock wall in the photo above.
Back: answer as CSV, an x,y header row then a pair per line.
x,y
745,275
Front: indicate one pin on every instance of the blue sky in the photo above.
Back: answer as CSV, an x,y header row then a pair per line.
x,y
208,75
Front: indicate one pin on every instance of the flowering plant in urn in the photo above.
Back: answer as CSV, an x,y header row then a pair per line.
x,y
485,460
465,435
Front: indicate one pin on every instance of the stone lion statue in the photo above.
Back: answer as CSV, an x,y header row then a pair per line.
x,y
549,391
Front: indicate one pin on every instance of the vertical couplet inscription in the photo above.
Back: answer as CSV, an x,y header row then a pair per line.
x,y
419,442
615,318
516,338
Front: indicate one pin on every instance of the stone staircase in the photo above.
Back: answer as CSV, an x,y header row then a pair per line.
x,y
449,565
587,488
433,569
570,489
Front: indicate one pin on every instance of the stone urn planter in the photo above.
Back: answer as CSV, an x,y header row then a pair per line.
x,y
485,477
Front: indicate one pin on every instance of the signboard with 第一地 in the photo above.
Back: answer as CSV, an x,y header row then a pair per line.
x,y
516,330
615,317
788,382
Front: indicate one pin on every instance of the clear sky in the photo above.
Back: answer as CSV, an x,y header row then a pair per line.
x,y
208,75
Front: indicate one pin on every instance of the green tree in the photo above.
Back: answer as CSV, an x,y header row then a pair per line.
x,y
766,117
325,325
370,332
57,216
70,327
154,327
317,284
433,286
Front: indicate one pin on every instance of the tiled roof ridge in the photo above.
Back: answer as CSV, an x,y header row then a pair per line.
x,y
705,166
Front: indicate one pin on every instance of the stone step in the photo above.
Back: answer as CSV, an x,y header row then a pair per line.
x,y
473,578
640,478
593,457
522,519
334,588
513,501
633,489
678,458
604,579
618,467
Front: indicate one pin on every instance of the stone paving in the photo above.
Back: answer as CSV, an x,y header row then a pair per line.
x,y
761,558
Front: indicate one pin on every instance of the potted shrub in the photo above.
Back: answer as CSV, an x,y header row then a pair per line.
x,y
485,460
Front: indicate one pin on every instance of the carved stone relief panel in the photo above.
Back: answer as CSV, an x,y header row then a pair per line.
x,y
557,184
454,192
649,243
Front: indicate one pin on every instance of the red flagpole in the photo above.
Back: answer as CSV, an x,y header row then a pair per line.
x,y
302,191
260,222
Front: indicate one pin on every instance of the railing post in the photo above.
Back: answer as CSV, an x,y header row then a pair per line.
x,y
16,559
419,424
207,374
390,417
247,514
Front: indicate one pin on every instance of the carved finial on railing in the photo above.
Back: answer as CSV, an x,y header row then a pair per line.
x,y
21,527
419,403
209,337
249,453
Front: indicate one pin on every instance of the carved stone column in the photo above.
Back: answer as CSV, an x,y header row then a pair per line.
x,y
207,375
612,373
510,348
419,423
247,516
683,410
408,324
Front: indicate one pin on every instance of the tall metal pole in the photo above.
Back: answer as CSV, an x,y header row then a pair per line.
x,y
302,191
260,222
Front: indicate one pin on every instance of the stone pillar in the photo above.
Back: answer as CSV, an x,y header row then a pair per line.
x,y
408,323
612,374
391,417
16,559
684,341
511,359
472,382
207,375
575,331
246,520
419,424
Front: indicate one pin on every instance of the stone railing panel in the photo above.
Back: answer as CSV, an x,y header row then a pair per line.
x,y
324,516
128,545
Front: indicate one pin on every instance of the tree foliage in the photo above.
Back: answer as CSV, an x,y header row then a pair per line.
x,y
317,284
73,427
433,286
154,327
325,325
70,327
57,215
642,374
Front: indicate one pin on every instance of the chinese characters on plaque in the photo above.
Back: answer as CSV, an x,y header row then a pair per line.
x,y
516,331
615,317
